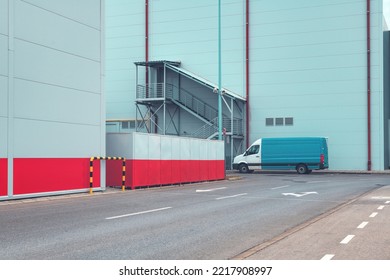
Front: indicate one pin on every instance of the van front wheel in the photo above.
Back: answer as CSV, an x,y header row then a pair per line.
x,y
243,168
302,168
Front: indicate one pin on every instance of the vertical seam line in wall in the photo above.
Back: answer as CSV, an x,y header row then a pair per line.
x,y
247,70
146,45
368,86
10,124
102,95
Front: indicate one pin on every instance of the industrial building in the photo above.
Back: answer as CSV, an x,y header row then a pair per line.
x,y
73,71
288,68
52,106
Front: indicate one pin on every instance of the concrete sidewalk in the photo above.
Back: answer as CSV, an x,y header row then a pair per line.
x,y
357,230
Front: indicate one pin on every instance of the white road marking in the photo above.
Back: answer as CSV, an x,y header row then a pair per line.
x,y
138,213
281,187
299,194
347,239
373,214
387,202
231,196
211,190
315,182
363,225
380,197
327,257
381,207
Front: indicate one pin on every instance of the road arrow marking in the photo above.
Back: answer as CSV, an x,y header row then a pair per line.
x,y
299,194
211,190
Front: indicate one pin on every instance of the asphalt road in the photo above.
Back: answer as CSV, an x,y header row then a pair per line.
x,y
211,220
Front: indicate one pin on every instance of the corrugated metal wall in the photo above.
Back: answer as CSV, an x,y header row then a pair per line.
x,y
153,160
308,63
51,95
4,72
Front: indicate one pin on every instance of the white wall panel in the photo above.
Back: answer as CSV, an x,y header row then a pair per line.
x,y
3,96
46,102
119,145
212,152
176,148
154,148
166,148
220,150
150,146
195,146
53,139
204,151
45,65
43,27
85,11
4,17
3,137
185,149
141,144
3,55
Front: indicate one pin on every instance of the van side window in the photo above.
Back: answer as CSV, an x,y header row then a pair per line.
x,y
253,150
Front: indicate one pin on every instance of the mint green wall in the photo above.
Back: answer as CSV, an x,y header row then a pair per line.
x,y
307,61
125,38
185,31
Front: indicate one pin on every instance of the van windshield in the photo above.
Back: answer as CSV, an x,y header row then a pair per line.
x,y
253,150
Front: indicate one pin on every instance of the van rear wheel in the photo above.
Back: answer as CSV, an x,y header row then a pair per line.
x,y
302,168
243,168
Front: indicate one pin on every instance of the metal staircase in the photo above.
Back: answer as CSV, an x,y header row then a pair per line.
x,y
203,111
193,105
164,97
187,101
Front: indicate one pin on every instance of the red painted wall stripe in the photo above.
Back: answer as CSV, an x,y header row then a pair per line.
x,y
3,176
36,175
114,173
141,173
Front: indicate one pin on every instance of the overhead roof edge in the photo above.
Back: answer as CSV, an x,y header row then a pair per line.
x,y
157,62
204,81
174,65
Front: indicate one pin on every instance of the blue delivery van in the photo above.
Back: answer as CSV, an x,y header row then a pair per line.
x,y
302,154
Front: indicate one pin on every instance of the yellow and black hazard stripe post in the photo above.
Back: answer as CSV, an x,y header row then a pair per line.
x,y
106,158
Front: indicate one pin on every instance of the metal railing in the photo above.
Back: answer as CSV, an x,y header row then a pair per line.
x,y
150,91
208,130
190,101
187,99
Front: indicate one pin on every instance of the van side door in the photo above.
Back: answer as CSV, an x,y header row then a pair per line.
x,y
252,157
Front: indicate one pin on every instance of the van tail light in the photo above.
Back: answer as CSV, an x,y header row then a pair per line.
x,y
322,159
